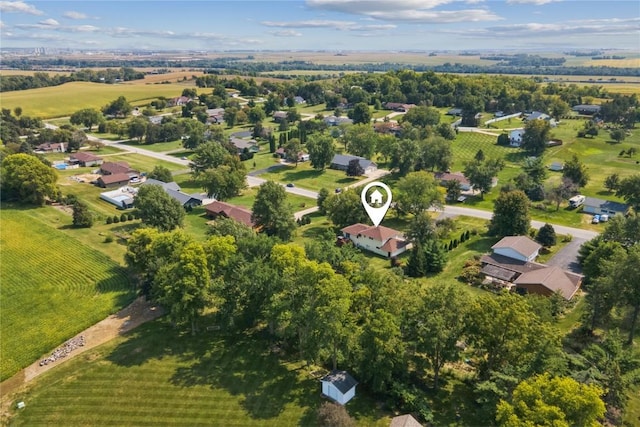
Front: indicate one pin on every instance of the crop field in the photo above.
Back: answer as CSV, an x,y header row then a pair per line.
x,y
158,376
64,100
53,287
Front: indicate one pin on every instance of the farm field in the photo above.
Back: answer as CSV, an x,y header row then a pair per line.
x,y
53,287
159,376
64,100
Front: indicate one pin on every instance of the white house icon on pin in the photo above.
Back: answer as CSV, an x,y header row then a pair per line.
x,y
376,198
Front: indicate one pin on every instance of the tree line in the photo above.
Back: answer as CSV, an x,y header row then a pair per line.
x,y
42,79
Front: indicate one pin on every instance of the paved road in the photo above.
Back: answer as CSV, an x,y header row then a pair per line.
x,y
560,229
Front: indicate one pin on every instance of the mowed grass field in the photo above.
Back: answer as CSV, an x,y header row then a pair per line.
x,y
53,287
64,100
158,376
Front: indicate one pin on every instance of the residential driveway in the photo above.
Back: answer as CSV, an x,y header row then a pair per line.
x,y
567,257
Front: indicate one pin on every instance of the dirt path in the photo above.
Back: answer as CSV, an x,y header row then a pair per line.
x,y
137,313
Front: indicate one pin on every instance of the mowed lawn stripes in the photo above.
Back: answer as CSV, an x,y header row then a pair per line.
x,y
52,288
156,376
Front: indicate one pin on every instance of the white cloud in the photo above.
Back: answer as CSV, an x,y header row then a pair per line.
x,y
74,15
1,25
362,7
19,7
416,11
534,2
49,22
338,25
285,33
592,27
435,17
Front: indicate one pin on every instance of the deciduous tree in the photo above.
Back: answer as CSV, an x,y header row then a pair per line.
x,y
26,179
209,155
87,117
576,171
629,190
535,137
157,209
360,114
82,216
272,212
510,214
345,208
546,235
417,192
321,150
161,173
552,401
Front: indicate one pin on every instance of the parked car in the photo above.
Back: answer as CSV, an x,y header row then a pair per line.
x,y
290,185
596,219
604,218
338,190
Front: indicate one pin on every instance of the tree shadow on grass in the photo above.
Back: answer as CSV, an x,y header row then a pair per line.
x,y
244,366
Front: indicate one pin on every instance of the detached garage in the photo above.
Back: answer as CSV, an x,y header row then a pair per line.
x,y
339,386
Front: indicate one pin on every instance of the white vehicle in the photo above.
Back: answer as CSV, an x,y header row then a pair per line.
x,y
576,201
604,218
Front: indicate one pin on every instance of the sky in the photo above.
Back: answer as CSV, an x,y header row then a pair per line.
x,y
333,25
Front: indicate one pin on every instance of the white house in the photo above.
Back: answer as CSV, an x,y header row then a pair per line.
x,y
339,386
517,247
380,240
515,137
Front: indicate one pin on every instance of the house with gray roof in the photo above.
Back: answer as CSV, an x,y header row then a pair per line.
x,y
241,144
339,386
587,110
173,190
596,206
341,162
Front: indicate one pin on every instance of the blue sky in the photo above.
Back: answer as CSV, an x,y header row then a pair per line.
x,y
322,24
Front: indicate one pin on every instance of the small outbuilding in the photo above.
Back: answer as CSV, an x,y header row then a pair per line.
x,y
339,386
404,421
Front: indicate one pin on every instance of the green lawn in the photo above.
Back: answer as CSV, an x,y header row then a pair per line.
x,y
143,163
248,196
53,286
158,376
306,177
158,147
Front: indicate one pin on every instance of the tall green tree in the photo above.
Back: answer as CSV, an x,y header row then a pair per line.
x,y
321,150
184,285
576,171
629,190
436,153
209,155
161,173
546,236
272,212
439,325
86,117
158,209
417,192
552,402
507,336
345,208
360,140
481,173
26,179
118,108
82,216
360,114
535,137
422,116
292,149
510,214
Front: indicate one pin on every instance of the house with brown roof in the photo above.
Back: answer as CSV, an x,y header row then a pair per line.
x,y
85,159
279,116
111,168
546,281
444,177
113,180
398,106
226,210
51,147
512,264
380,240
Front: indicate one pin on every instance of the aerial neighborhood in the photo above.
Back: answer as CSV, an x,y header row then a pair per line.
x,y
331,238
